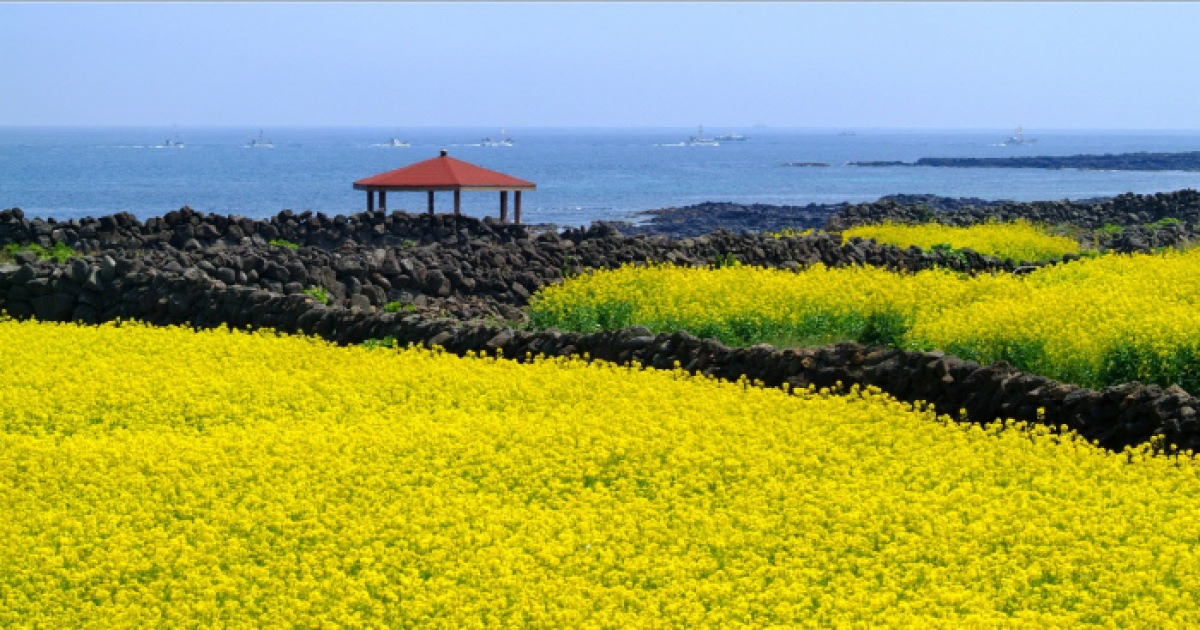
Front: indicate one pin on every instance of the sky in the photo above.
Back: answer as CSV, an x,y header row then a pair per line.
x,y
808,65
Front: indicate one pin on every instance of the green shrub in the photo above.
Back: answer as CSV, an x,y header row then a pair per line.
x,y
373,344
1165,222
1132,362
1111,229
726,260
883,328
399,307
279,242
950,253
319,293
61,252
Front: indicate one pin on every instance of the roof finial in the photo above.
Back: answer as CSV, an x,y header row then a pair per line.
x,y
444,153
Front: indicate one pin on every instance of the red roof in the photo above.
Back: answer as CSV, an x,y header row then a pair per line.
x,y
443,173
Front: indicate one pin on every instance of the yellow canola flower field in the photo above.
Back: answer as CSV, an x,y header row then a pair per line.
x,y
165,477
1101,321
1018,240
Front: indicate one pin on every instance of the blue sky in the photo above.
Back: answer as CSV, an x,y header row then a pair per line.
x,y
934,65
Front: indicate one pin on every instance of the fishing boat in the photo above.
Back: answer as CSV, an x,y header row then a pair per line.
x,y
1018,138
699,140
502,141
397,142
171,144
260,142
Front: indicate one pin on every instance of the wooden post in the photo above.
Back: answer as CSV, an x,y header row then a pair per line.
x,y
457,202
517,207
370,201
431,202
503,206
383,201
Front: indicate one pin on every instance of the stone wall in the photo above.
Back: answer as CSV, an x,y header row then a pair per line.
x,y
103,288
1128,210
464,269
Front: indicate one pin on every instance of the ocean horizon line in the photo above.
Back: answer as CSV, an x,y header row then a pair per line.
x,y
648,128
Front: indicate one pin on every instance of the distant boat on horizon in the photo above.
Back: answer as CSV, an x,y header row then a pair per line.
x,y
171,144
260,142
699,140
1018,138
502,141
397,142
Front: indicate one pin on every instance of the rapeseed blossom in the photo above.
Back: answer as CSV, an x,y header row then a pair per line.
x,y
1018,240
1094,322
166,477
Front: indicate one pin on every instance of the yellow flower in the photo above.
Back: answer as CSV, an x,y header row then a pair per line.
x,y
1095,322
1019,240
166,477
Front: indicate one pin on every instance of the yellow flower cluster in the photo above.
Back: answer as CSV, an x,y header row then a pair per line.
x,y
1018,240
744,304
169,478
1102,321
1095,321
791,232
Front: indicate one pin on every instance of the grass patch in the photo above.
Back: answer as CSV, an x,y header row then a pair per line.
x,y
60,253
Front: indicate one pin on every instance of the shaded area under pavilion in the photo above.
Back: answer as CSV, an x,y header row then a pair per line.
x,y
446,173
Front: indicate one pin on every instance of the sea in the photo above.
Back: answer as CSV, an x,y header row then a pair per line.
x,y
582,175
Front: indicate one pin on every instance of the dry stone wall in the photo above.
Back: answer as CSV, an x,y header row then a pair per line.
x,y
103,288
1127,211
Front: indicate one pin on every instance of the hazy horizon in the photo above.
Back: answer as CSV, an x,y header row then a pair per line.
x,y
864,66
709,127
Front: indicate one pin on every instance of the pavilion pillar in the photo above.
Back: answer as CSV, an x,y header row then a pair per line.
x,y
517,207
503,206
370,201
383,201
457,202
431,202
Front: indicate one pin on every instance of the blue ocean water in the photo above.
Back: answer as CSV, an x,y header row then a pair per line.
x,y
582,174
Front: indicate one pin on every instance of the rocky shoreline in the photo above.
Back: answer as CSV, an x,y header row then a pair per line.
x,y
1125,223
704,218
1141,161
462,283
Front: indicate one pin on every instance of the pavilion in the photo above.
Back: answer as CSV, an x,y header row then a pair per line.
x,y
446,173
